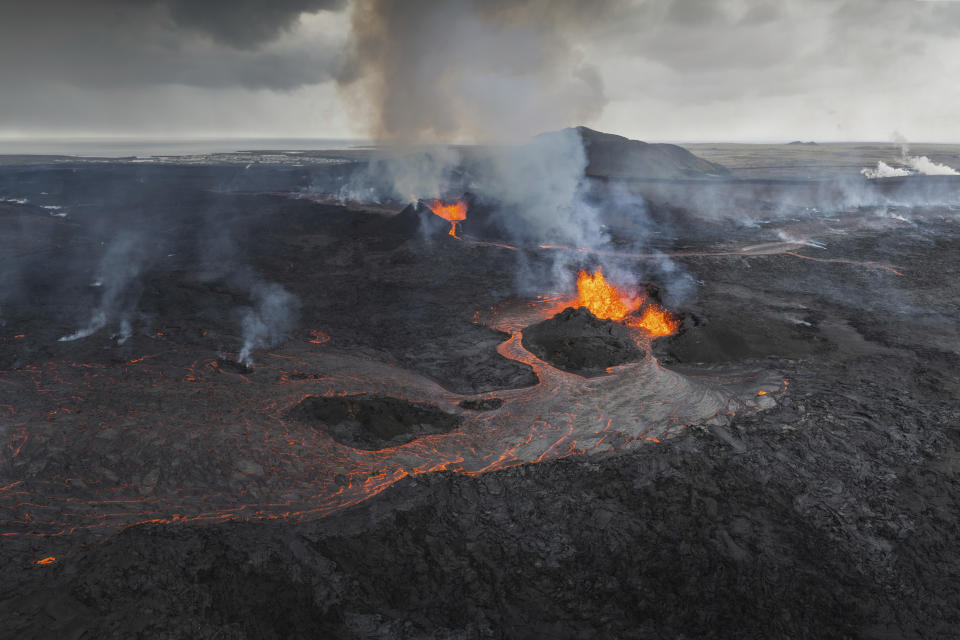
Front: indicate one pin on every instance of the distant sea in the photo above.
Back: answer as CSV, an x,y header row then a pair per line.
x,y
126,147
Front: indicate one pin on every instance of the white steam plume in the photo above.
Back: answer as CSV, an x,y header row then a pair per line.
x,y
926,166
884,170
918,164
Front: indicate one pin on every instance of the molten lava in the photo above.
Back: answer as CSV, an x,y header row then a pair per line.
x,y
656,321
610,302
604,300
452,212
318,336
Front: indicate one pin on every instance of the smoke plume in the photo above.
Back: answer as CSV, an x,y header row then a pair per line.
x,y
884,170
266,324
917,164
118,279
471,71
497,73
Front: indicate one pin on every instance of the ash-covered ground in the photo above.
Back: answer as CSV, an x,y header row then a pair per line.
x,y
279,416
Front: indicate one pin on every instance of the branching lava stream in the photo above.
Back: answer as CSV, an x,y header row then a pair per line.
x,y
174,436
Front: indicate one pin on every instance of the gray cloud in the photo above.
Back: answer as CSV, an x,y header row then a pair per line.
x,y
472,69
242,23
122,43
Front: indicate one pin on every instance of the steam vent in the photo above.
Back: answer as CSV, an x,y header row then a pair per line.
x,y
327,320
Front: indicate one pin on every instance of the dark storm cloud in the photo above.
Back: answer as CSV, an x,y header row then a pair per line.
x,y
241,23
474,69
122,43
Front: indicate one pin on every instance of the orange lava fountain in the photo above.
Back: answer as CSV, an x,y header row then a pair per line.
x,y
610,302
602,299
453,213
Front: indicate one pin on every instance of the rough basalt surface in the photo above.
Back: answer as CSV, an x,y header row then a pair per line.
x,y
833,514
577,341
482,404
789,524
373,422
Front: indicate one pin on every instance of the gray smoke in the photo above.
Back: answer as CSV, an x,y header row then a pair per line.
x,y
401,175
118,280
495,73
467,70
267,323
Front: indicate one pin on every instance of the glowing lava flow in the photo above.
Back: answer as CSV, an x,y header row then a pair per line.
x,y
176,438
451,212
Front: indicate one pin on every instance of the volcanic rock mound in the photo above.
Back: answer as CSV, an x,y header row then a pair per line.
x,y
415,220
577,341
373,422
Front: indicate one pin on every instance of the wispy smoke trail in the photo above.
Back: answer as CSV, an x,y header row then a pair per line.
x,y
267,323
117,276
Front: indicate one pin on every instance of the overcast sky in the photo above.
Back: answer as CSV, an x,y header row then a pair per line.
x,y
461,70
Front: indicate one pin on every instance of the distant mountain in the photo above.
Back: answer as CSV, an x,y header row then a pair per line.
x,y
613,156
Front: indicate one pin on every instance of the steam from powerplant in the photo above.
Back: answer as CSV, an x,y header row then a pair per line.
x,y
913,165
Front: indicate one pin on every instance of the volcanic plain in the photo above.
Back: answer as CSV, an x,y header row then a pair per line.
x,y
233,405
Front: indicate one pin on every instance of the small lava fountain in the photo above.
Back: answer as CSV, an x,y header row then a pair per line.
x,y
451,212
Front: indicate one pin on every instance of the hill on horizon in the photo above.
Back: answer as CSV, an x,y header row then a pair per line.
x,y
613,156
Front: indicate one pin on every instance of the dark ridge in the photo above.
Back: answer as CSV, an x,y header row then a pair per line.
x,y
373,422
613,156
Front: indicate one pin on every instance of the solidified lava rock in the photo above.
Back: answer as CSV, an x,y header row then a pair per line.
x,y
483,404
577,341
416,219
234,367
373,422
